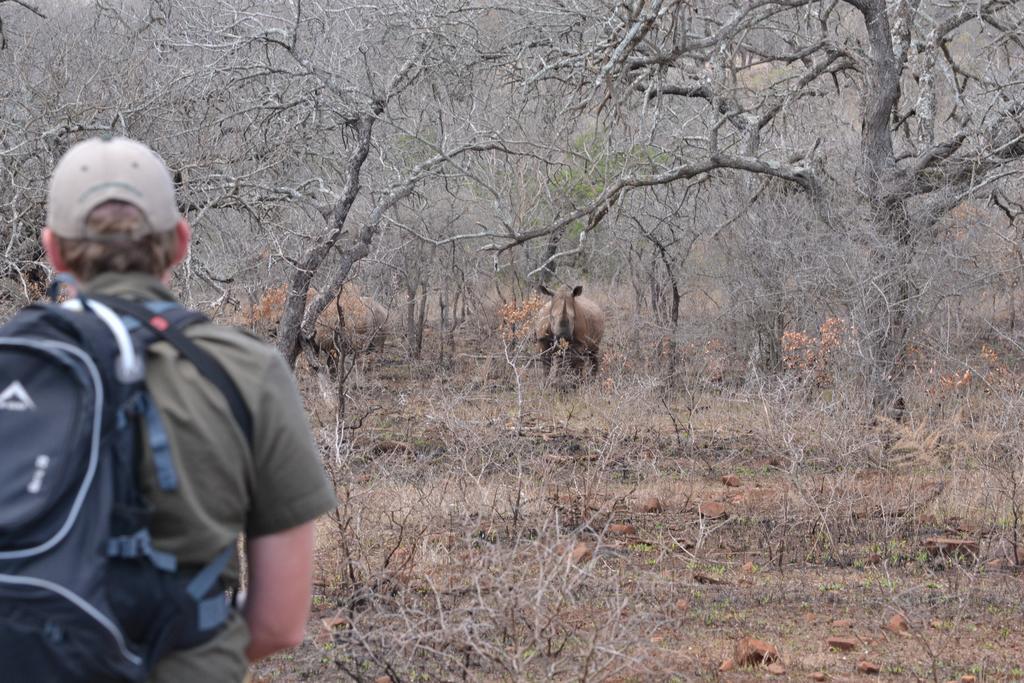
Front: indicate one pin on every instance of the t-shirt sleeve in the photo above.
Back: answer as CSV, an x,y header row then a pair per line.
x,y
289,484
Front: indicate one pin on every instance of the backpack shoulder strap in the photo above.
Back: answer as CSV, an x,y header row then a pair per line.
x,y
168,323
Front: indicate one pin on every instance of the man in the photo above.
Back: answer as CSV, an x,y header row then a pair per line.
x,y
114,225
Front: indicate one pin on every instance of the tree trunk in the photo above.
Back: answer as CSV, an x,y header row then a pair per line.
x,y
421,320
295,302
415,316
547,273
768,329
410,319
442,349
888,316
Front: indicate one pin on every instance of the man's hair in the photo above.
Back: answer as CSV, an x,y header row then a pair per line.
x,y
113,250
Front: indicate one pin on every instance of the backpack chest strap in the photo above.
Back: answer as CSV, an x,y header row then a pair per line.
x,y
159,444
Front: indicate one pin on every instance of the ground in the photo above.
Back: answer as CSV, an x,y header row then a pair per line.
x,y
498,525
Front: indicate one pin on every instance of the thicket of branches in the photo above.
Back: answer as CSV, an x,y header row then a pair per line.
x,y
730,170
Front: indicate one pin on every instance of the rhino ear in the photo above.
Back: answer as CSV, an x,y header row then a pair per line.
x,y
577,290
544,290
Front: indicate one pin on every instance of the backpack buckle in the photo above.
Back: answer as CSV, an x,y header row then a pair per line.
x,y
140,544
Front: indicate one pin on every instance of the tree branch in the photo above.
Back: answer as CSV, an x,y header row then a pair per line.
x,y
800,174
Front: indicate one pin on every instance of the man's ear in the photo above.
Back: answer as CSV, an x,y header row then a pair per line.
x,y
184,233
52,248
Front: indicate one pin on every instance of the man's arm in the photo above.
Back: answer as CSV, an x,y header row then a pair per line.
x,y
280,585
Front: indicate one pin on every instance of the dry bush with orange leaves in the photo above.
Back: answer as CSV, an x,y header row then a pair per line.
x,y
517,318
815,355
952,381
266,312
996,372
985,369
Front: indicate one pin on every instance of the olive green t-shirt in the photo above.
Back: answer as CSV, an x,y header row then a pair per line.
x,y
225,488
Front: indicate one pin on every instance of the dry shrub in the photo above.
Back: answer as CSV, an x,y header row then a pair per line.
x,y
464,569
815,357
518,319
264,315
970,386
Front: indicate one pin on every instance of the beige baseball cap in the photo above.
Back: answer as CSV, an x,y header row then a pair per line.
x,y
100,170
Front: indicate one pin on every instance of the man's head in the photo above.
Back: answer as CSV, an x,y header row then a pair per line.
x,y
111,208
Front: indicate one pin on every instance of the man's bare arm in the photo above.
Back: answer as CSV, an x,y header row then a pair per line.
x,y
279,589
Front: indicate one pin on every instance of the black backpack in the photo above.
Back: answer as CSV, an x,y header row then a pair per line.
x,y
84,595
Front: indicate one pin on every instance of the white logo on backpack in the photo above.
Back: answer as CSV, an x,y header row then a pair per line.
x,y
14,397
36,484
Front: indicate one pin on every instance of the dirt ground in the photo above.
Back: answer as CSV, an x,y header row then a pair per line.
x,y
496,525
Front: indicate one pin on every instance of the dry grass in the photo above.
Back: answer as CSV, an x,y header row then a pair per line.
x,y
467,496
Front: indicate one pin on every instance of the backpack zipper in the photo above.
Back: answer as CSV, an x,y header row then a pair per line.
x,y
81,604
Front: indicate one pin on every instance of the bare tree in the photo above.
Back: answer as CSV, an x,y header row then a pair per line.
x,y
769,89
